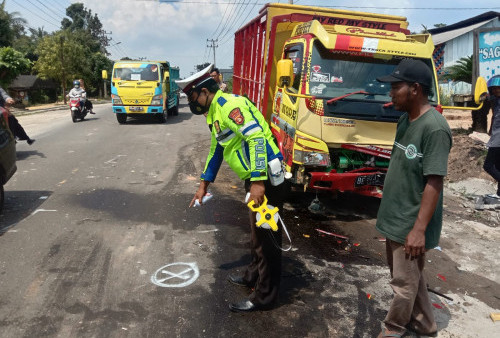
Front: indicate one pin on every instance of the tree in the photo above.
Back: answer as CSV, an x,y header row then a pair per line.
x,y
461,71
12,63
89,28
11,26
202,66
439,25
63,58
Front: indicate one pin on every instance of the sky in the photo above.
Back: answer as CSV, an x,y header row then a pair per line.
x,y
180,31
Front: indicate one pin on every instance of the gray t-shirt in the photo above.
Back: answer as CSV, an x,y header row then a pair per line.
x,y
494,141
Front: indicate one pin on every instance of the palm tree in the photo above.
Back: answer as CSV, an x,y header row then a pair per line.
x,y
461,71
11,26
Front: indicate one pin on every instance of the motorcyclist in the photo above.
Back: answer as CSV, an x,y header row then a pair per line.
x,y
78,92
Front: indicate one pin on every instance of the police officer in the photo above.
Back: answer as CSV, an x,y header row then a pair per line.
x,y
241,136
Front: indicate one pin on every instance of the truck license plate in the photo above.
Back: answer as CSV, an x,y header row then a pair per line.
x,y
135,108
375,179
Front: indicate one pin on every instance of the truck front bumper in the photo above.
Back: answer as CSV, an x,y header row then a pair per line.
x,y
363,181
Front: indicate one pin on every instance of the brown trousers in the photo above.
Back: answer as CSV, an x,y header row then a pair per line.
x,y
264,271
411,305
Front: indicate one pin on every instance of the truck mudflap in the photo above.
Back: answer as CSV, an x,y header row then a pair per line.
x,y
363,181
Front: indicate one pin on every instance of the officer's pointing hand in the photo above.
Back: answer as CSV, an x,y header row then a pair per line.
x,y
257,190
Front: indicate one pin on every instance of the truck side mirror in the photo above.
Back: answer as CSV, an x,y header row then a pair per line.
x,y
480,90
104,74
284,73
166,75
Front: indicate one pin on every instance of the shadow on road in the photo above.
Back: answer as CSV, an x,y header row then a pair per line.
x,y
14,212
23,155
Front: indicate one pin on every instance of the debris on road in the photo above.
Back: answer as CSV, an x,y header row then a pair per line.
x,y
332,234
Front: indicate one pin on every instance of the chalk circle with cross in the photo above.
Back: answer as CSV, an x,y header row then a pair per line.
x,y
176,275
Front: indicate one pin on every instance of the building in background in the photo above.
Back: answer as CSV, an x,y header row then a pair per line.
x,y
456,41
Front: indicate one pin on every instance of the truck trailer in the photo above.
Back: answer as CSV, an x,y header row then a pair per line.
x,y
312,72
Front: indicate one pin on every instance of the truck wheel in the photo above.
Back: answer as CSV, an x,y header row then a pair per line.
x,y
122,118
1,199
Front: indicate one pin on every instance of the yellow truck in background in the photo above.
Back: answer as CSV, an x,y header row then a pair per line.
x,y
312,72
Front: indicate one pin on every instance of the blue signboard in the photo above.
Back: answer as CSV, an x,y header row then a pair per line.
x,y
489,54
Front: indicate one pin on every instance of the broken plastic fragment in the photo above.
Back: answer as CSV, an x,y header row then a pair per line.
x,y
440,276
369,296
437,306
306,236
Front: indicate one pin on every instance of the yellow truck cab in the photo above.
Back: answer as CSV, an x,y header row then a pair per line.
x,y
332,120
144,87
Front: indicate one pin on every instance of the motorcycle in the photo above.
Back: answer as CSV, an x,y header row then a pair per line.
x,y
78,109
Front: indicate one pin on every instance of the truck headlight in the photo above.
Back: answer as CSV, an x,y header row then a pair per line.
x,y
312,158
116,100
156,101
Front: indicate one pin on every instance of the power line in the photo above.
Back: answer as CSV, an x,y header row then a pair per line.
x,y
233,21
56,4
35,14
223,16
229,17
41,10
48,8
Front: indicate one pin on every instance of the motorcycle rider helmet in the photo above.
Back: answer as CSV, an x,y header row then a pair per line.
x,y
494,81
76,84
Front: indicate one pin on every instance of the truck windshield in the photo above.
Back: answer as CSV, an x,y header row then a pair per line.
x,y
140,73
335,74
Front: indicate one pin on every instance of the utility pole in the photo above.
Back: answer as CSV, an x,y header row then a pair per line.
x,y
62,69
213,45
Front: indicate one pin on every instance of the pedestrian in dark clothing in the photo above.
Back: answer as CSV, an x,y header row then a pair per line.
x,y
492,161
14,125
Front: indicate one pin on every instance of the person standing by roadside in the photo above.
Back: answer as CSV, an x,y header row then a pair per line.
x,y
410,214
215,74
14,125
241,136
492,161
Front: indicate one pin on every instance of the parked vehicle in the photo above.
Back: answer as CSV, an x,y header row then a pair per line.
x,y
78,109
7,153
312,72
144,87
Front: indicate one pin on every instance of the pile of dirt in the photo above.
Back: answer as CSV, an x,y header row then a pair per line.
x,y
466,158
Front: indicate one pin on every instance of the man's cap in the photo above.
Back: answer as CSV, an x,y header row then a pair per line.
x,y
410,70
188,84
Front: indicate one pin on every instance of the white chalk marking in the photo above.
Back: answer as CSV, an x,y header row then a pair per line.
x,y
113,160
188,275
205,231
40,210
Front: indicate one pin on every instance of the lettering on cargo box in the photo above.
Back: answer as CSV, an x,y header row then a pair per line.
x,y
356,23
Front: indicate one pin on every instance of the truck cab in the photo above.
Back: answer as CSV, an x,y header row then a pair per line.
x,y
333,120
312,73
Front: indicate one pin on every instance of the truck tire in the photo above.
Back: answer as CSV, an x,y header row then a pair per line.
x,y
122,118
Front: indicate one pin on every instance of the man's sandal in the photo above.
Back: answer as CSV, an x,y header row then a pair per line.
x,y
385,334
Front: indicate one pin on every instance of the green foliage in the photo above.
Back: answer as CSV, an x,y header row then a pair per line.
x,y
229,84
61,57
11,26
87,26
202,66
12,63
461,71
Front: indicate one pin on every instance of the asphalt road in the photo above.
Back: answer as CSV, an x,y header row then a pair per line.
x,y
98,241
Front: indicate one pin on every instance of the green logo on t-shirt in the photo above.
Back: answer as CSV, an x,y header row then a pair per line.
x,y
411,152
